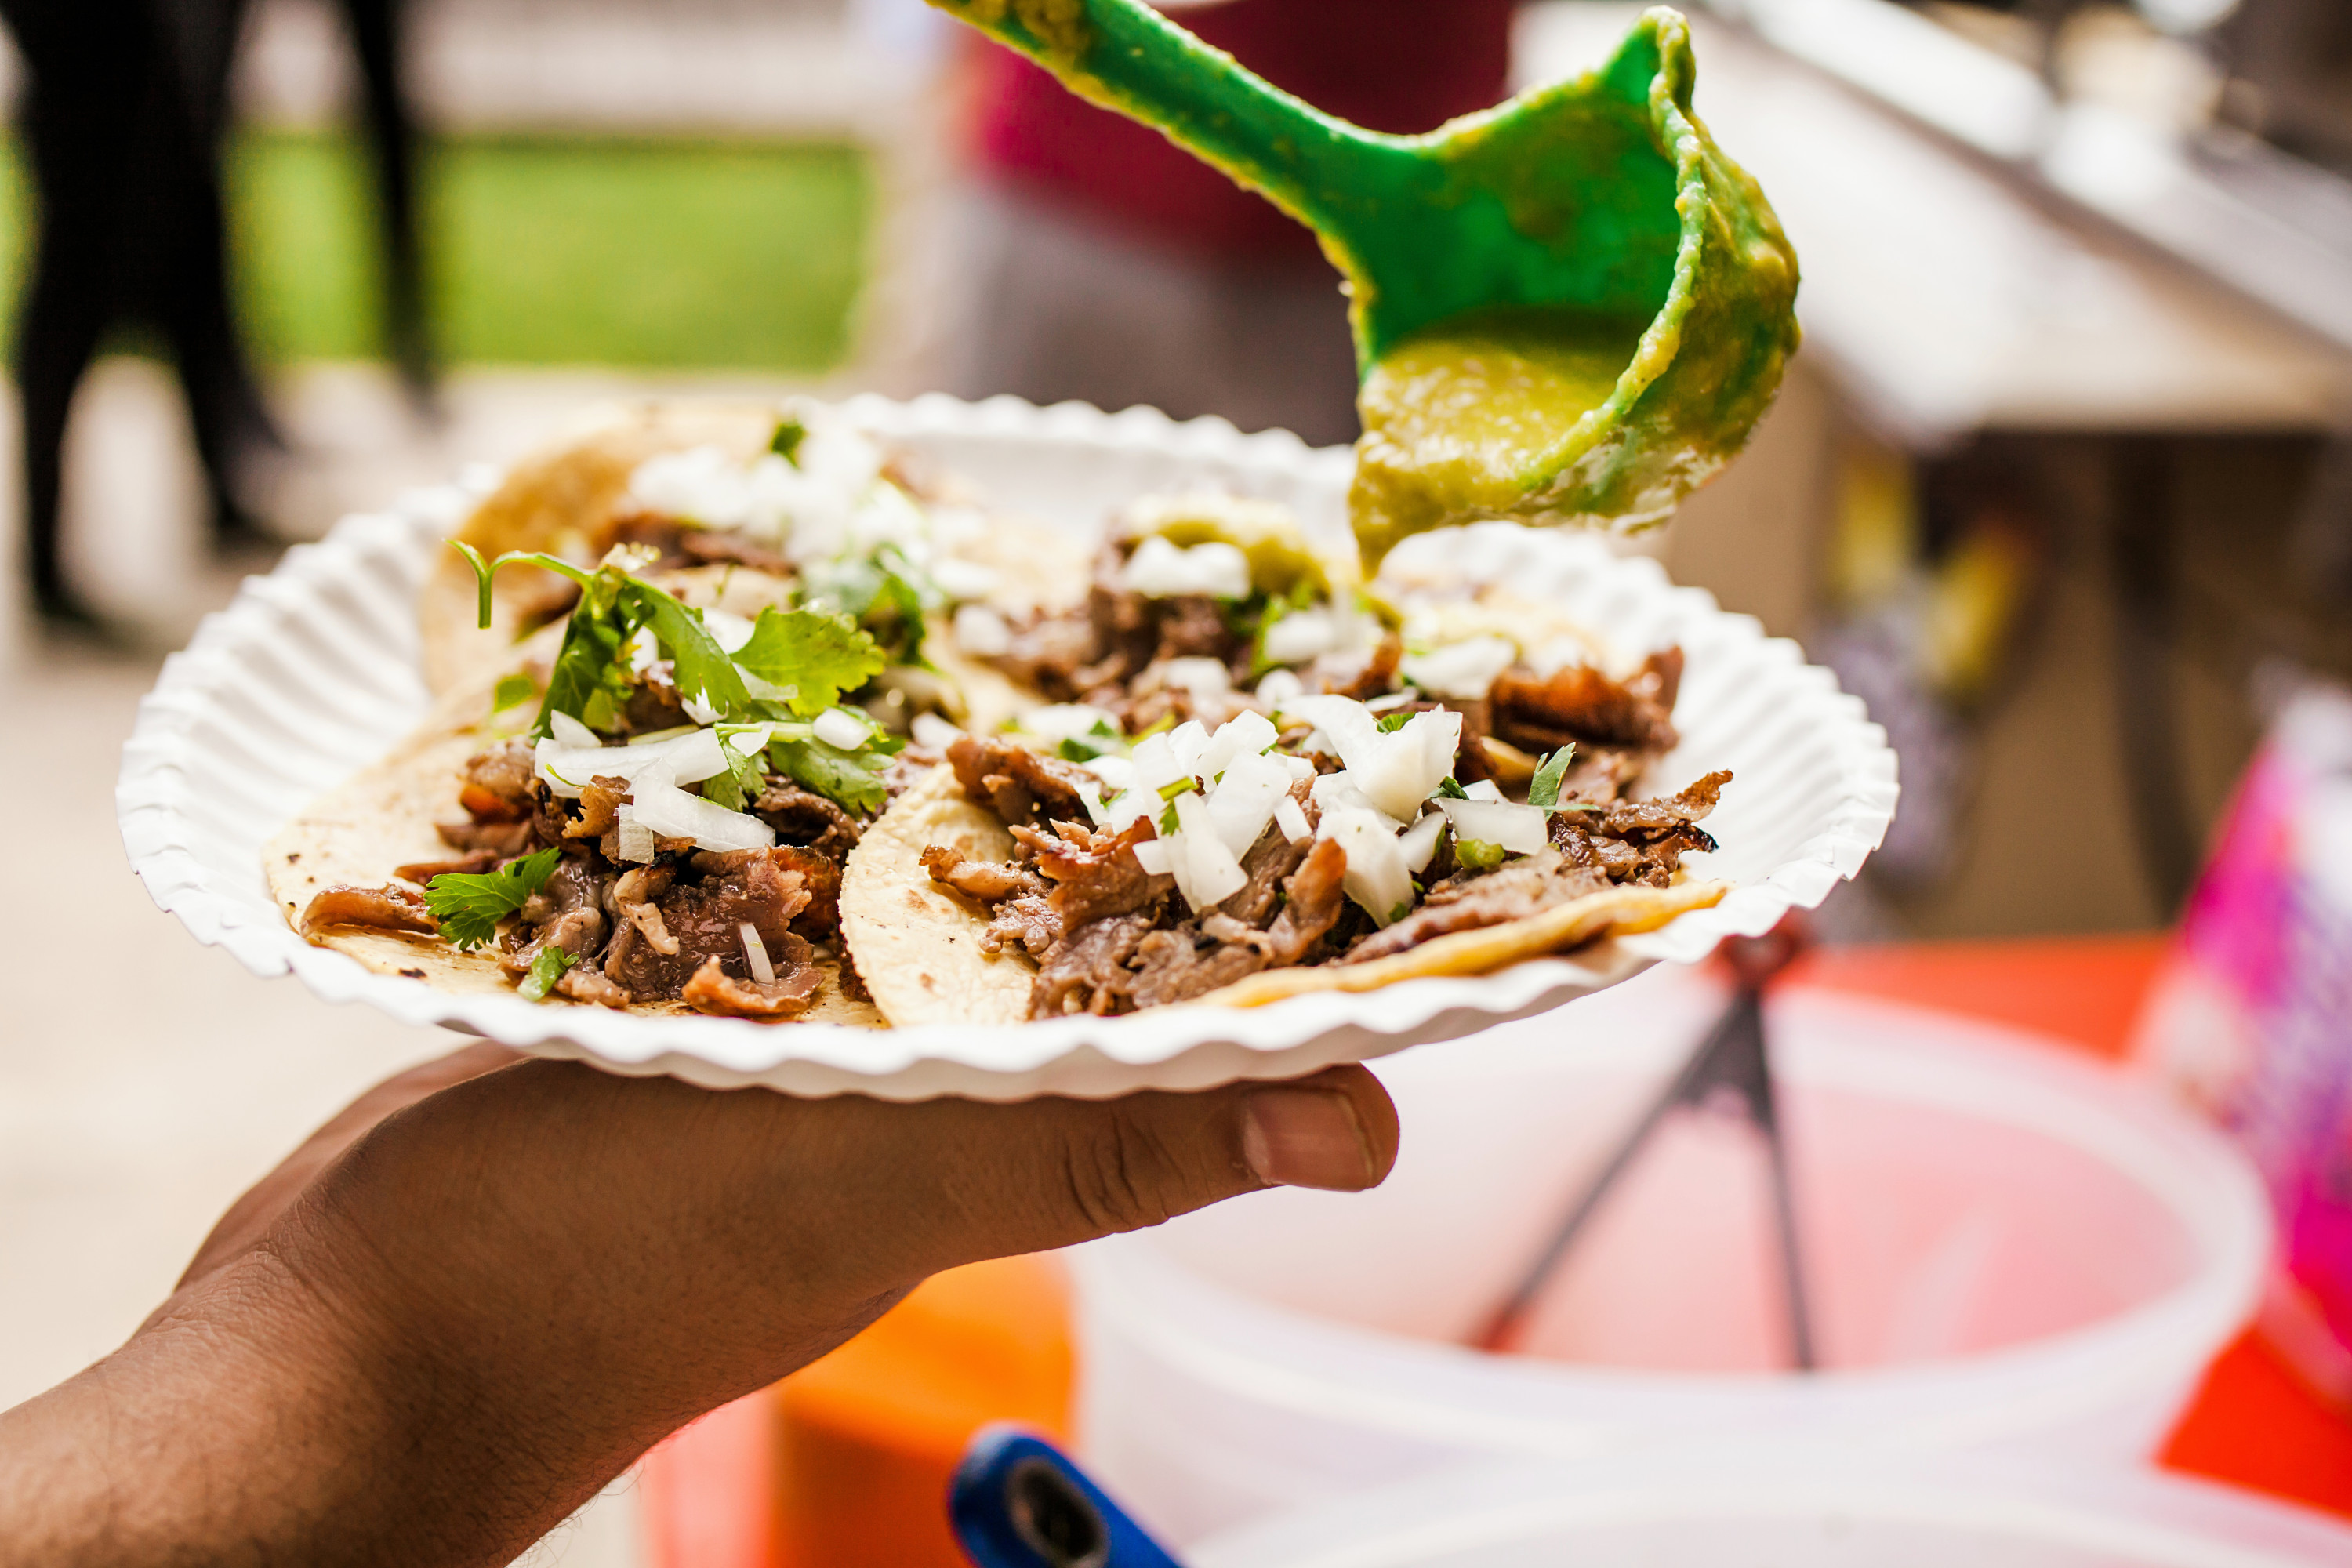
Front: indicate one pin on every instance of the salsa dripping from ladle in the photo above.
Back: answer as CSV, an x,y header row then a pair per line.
x,y
1570,308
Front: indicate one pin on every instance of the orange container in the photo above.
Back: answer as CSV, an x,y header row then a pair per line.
x,y
866,1438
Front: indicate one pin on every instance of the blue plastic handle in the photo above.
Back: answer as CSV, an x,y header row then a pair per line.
x,y
1017,1501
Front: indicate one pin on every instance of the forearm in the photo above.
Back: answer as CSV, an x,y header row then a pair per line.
x,y
244,1423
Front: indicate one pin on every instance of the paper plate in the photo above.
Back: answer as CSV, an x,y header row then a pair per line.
x,y
312,674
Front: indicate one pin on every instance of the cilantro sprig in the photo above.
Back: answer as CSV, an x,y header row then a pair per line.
x,y
808,658
469,905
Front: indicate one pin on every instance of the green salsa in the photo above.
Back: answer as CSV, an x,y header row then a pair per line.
x,y
1461,419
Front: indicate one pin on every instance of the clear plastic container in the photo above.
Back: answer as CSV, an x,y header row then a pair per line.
x,y
1735,1508
2007,1247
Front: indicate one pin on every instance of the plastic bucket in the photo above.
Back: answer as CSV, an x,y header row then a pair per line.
x,y
1735,1509
2006,1245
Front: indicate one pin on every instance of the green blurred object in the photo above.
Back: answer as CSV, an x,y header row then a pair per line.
x,y
1567,214
690,254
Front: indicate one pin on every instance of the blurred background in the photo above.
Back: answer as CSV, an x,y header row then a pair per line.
x,y
2061,482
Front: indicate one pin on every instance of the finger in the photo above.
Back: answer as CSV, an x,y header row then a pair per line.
x,y
252,1215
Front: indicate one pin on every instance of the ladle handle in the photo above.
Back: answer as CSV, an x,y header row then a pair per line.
x,y
1126,57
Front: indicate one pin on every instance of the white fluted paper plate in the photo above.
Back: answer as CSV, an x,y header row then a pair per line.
x,y
312,674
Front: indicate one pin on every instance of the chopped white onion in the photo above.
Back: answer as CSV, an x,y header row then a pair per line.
x,y
1160,570
1279,686
636,841
1519,829
1463,669
674,813
755,954
1377,875
981,632
1188,746
1291,817
838,728
1202,680
699,708
689,758
1243,802
962,579
1334,792
729,630
571,732
1117,773
1206,873
1484,789
1152,855
1400,769
931,729
1418,843
1245,734
1346,723
1066,720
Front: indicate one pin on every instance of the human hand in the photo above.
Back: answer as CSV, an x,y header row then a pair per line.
x,y
434,1336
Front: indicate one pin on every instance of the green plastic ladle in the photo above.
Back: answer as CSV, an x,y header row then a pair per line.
x,y
1568,308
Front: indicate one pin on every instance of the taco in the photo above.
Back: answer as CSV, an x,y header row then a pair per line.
x,y
798,494
1261,780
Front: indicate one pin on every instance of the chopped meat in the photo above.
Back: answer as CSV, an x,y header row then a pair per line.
x,y
703,919
804,818
600,802
1312,902
1048,650
500,785
1641,841
1088,973
1095,875
568,911
1191,626
821,876
473,862
1519,889
909,768
1362,676
1017,783
1270,862
586,983
508,839
1188,961
792,993
679,544
632,900
1600,773
387,908
985,880
654,701
1580,702
1028,921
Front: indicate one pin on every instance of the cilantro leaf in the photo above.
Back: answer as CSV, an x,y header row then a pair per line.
x,y
1543,790
811,654
545,971
512,689
1448,789
699,666
1395,719
469,905
852,779
786,442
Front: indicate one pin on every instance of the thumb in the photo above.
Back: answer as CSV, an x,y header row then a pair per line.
x,y
1050,1172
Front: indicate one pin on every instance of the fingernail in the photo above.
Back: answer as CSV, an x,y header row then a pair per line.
x,y
1305,1137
